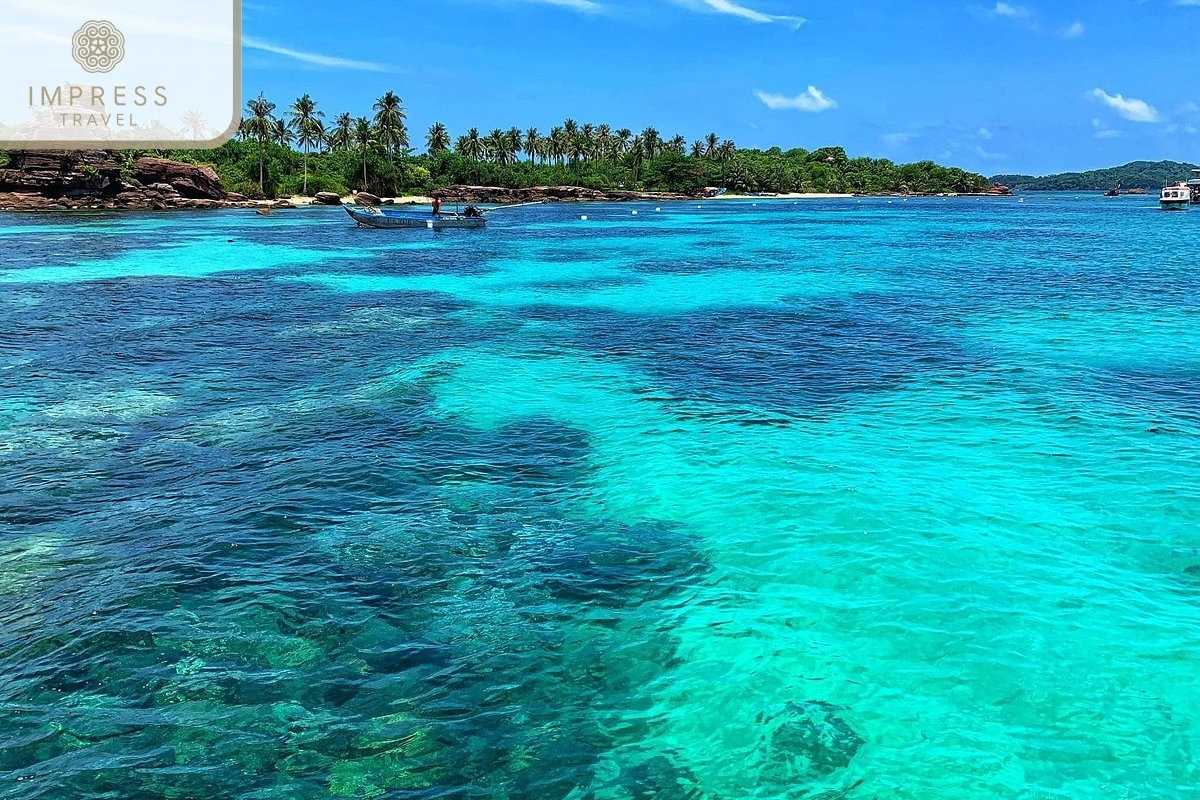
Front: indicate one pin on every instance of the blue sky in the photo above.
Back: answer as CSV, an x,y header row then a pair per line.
x,y
1039,86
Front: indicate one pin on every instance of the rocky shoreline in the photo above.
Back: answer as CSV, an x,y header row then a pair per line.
x,y
57,180
61,180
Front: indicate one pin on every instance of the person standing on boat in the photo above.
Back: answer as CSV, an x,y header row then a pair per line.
x,y
437,207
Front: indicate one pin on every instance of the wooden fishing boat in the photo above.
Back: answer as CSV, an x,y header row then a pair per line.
x,y
371,217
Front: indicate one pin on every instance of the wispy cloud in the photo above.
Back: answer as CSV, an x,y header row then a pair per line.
x,y
1105,132
894,140
1130,108
984,133
737,10
988,155
1073,31
315,59
582,6
812,100
1011,11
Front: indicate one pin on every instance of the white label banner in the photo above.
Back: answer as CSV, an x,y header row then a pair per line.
x,y
119,73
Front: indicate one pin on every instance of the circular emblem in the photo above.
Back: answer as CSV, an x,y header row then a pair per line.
x,y
98,46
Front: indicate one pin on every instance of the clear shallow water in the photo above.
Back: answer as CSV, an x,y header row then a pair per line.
x,y
834,499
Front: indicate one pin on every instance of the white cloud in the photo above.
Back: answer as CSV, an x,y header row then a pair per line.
x,y
990,156
1074,30
1105,132
813,100
582,6
1130,108
1008,10
737,10
898,139
312,58
984,133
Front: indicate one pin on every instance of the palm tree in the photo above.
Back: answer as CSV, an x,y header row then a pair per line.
x,y
532,144
557,147
637,154
623,136
195,124
652,142
343,132
389,123
697,149
513,142
438,138
306,122
282,134
725,153
678,144
365,140
471,145
711,143
260,125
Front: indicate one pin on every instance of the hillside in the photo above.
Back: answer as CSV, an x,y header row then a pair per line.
x,y
1146,174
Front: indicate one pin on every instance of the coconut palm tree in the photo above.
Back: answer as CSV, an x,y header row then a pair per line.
x,y
471,146
712,143
557,145
532,144
678,144
282,134
195,125
624,135
342,135
306,122
365,140
390,129
260,125
651,142
438,138
513,142
697,149
636,157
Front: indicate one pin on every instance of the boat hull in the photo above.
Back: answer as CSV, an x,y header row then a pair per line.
x,y
406,220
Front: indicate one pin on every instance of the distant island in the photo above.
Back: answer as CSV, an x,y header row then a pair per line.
x,y
297,151
1149,175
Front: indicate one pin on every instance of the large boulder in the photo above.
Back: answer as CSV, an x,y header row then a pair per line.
x,y
191,181
62,173
327,199
366,199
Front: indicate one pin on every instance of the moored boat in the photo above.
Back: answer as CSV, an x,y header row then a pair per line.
x,y
1194,186
1176,197
371,217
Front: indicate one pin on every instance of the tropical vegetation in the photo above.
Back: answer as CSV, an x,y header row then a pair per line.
x,y
300,150
1150,175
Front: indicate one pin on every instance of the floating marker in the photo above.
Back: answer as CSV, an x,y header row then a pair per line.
x,y
658,209
584,218
635,213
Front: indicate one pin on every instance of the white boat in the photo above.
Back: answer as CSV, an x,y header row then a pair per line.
x,y
1176,197
1194,185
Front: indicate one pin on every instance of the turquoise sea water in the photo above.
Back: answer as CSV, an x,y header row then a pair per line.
x,y
862,499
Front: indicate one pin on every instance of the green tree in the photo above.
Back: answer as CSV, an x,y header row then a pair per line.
x,y
310,131
438,138
260,125
364,142
390,127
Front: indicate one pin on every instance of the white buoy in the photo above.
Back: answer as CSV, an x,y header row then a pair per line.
x,y
658,209
635,213
584,217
